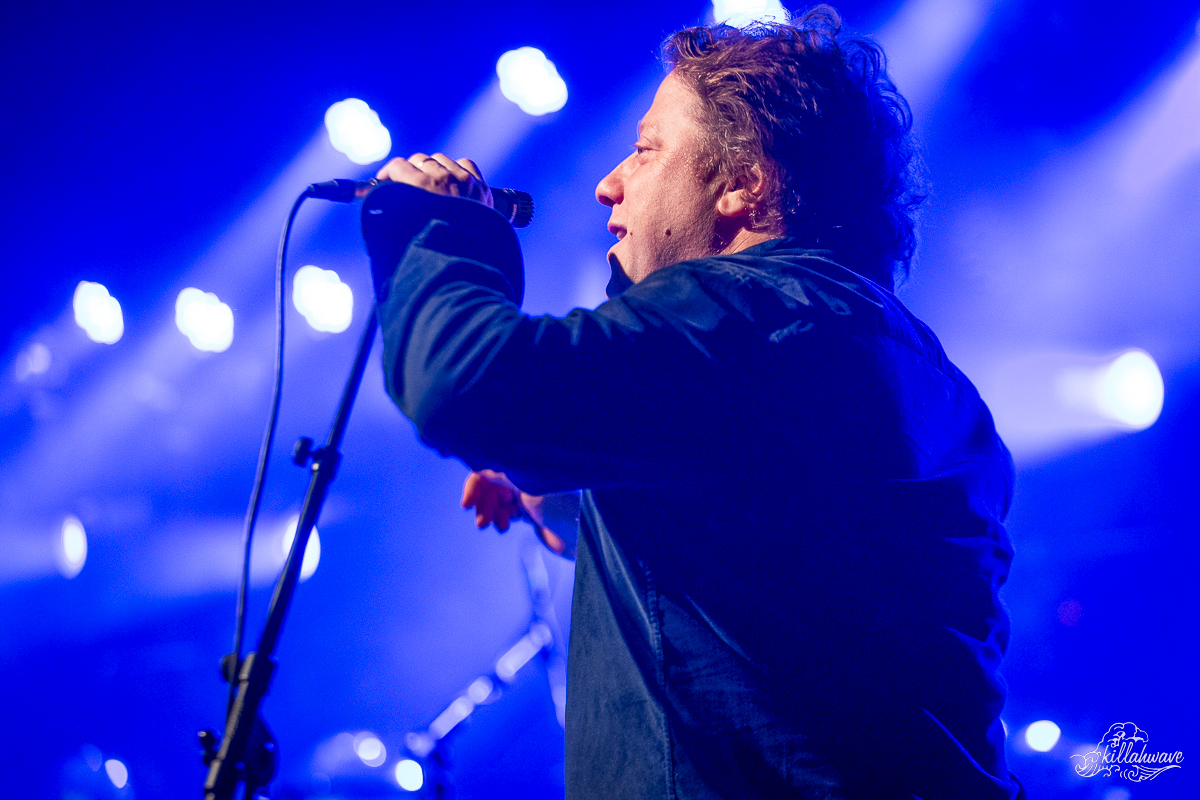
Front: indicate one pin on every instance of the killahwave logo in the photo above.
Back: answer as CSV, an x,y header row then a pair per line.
x,y
1123,752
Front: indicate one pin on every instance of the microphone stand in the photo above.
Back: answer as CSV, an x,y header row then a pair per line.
x,y
247,750
246,753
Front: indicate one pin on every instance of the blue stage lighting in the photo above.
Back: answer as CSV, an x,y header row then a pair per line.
x,y
204,319
92,757
98,313
72,552
354,129
326,303
368,747
1127,390
1130,390
519,654
117,772
740,13
1042,735
409,775
480,689
531,80
312,550
455,713
33,360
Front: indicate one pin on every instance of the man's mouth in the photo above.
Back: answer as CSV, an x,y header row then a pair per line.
x,y
616,230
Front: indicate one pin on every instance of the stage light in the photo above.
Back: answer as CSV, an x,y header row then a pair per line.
x,y
1070,612
480,689
205,320
519,654
1127,390
98,313
355,129
33,360
1130,390
117,772
531,80
326,303
455,713
312,550
92,757
421,744
1042,735
369,749
72,552
740,13
409,775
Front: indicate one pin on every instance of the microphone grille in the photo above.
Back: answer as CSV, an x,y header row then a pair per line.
x,y
522,207
524,213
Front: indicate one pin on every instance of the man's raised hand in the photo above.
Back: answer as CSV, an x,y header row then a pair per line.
x,y
439,174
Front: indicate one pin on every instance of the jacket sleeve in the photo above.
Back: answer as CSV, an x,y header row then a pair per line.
x,y
624,395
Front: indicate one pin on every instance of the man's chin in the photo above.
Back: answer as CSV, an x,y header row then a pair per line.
x,y
619,280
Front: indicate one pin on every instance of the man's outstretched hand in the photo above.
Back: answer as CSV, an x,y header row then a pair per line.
x,y
439,174
497,500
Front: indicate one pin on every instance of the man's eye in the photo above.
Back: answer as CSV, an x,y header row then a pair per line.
x,y
639,149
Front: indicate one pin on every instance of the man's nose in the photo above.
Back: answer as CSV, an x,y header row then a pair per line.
x,y
611,188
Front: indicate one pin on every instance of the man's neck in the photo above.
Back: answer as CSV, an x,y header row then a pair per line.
x,y
745,238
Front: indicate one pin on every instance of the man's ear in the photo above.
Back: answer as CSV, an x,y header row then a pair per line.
x,y
741,197
733,203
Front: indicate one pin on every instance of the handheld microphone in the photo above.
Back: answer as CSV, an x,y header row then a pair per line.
x,y
512,204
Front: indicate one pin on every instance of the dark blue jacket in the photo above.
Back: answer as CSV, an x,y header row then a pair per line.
x,y
791,539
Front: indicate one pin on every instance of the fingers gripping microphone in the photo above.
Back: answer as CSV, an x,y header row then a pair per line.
x,y
514,205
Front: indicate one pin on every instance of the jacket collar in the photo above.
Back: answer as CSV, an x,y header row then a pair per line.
x,y
783,246
790,246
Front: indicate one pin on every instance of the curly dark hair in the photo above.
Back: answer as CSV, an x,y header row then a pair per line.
x,y
817,117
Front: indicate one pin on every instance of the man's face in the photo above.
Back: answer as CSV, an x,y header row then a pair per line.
x,y
663,210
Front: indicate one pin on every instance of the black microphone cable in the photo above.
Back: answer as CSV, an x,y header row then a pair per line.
x,y
515,206
264,453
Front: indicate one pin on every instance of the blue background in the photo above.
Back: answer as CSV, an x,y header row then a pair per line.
x,y
151,147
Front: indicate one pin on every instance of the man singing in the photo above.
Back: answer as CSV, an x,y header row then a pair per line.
x,y
790,539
